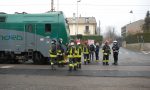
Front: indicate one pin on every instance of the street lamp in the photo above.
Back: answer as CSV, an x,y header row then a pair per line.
x,y
77,15
132,16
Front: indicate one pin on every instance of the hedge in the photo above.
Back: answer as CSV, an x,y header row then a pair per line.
x,y
97,38
138,38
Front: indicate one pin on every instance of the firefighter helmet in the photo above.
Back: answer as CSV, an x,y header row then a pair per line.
x,y
71,42
78,43
60,40
115,42
106,42
53,41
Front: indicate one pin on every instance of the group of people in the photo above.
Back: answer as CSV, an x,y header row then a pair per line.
x,y
107,51
74,52
56,53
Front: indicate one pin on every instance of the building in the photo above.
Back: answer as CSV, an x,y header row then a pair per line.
x,y
132,28
85,25
123,31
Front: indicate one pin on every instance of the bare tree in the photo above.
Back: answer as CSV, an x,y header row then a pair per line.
x,y
110,34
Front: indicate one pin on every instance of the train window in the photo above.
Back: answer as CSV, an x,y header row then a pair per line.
x,y
2,19
29,28
47,27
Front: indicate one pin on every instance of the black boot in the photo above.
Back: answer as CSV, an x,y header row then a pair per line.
x,y
79,66
88,61
75,68
107,63
70,69
104,63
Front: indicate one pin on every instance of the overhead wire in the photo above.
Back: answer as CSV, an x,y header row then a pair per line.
x,y
140,5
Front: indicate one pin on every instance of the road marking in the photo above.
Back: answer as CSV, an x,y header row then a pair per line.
x,y
132,53
145,52
6,66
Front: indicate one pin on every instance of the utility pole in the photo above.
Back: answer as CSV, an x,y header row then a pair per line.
x,y
74,24
77,16
52,5
99,27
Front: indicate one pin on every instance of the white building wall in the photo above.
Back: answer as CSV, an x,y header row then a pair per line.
x,y
81,29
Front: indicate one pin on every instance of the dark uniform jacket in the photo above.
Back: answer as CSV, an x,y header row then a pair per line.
x,y
60,48
85,49
106,49
53,49
92,48
115,49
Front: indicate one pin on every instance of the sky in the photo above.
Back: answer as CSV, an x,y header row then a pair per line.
x,y
114,13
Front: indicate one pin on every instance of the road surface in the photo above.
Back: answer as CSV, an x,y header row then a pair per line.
x,y
132,73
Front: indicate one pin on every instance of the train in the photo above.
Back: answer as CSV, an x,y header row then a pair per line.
x,y
26,36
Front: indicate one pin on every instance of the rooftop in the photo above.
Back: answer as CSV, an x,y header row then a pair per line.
x,y
82,20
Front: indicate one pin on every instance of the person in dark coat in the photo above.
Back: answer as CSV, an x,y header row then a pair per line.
x,y
115,49
92,50
97,52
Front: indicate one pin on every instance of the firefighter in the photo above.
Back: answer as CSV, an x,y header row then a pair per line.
x,y
106,52
71,55
65,53
53,54
115,49
86,53
78,57
60,53
97,52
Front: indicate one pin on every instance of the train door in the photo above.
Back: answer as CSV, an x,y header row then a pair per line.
x,y
30,35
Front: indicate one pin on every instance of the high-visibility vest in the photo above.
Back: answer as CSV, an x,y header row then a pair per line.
x,y
59,52
52,51
52,54
79,51
85,50
71,53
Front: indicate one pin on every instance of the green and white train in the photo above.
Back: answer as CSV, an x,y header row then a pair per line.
x,y
28,36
